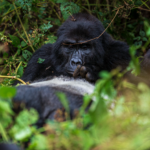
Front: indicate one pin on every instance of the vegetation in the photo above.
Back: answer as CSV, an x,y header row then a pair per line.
x,y
119,115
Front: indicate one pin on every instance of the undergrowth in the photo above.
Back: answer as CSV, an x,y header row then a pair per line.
x,y
119,115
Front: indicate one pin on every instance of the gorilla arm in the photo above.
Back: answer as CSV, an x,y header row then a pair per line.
x,y
34,68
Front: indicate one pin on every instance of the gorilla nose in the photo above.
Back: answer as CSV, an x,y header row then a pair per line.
x,y
75,62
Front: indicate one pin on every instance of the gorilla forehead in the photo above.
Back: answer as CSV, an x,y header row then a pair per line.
x,y
84,27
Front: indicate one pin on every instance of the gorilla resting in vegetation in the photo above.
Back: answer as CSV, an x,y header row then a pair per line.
x,y
63,57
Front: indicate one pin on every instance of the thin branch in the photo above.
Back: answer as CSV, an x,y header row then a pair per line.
x,y
143,9
23,28
13,77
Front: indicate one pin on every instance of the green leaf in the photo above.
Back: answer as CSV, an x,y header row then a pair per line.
x,y
51,39
62,97
137,38
26,54
7,92
21,134
67,8
147,28
40,60
36,142
130,26
60,1
148,32
15,40
142,33
23,43
20,71
5,107
45,27
101,13
131,34
144,39
26,117
105,74
138,2
5,55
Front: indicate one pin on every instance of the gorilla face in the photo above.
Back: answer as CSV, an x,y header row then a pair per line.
x,y
75,54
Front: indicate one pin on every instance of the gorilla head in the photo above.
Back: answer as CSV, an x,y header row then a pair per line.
x,y
71,38
76,45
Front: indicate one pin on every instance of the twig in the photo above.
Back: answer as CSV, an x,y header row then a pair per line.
x,y
143,9
18,67
17,31
23,28
13,77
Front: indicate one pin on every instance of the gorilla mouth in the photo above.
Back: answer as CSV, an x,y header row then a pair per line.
x,y
70,71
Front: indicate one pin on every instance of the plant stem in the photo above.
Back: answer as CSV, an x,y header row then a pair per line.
x,y
13,77
3,133
23,28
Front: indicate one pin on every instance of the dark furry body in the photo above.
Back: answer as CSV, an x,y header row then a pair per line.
x,y
104,53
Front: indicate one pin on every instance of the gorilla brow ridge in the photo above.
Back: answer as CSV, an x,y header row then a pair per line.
x,y
73,19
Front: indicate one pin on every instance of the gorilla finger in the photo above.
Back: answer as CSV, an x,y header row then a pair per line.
x,y
83,71
89,77
77,71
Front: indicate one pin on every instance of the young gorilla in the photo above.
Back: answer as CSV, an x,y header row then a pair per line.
x,y
63,57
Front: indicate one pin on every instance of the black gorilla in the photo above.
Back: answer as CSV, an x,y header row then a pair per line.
x,y
42,96
63,57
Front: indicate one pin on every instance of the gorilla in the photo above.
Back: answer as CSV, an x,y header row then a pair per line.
x,y
75,48
70,50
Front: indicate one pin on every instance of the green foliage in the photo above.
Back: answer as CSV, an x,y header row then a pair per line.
x,y
25,4
63,99
15,40
69,8
21,129
44,28
7,92
147,28
140,39
51,39
40,60
26,54
20,71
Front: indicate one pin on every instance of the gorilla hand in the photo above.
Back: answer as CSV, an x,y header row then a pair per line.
x,y
86,72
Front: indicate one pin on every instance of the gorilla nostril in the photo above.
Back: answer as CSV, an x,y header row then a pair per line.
x,y
78,63
75,62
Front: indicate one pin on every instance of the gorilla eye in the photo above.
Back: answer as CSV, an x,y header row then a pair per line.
x,y
70,46
84,47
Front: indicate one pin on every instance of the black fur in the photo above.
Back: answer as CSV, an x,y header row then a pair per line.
x,y
106,53
45,101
